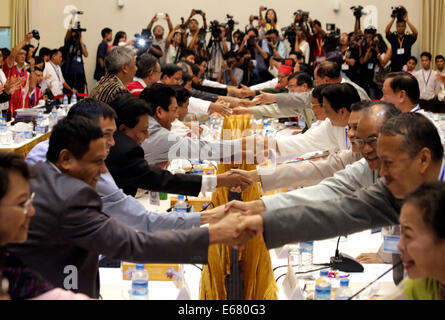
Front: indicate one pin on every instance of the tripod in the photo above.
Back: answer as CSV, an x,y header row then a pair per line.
x,y
215,47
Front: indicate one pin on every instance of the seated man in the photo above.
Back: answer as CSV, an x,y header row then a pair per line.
x,y
115,202
163,145
69,228
131,171
149,72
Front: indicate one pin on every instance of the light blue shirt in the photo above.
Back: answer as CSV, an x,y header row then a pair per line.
x,y
124,208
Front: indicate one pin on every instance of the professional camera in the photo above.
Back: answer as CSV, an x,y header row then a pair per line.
x,y
197,11
215,29
290,33
305,15
332,41
143,40
202,37
35,34
251,42
256,18
77,28
183,26
230,22
358,11
399,13
354,44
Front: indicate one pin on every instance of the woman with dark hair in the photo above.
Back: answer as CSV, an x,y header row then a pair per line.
x,y
120,39
16,211
422,244
383,67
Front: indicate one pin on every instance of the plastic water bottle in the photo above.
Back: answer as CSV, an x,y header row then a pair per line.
x,y
65,100
307,253
3,125
139,283
344,292
181,205
323,286
53,117
74,98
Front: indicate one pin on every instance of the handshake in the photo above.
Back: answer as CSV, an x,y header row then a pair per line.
x,y
236,223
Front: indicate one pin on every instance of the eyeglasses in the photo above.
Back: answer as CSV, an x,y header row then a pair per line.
x,y
372,142
25,206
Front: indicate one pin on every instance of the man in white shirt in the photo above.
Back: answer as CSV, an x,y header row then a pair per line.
x,y
53,75
428,83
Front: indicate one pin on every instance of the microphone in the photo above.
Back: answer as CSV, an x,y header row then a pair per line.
x,y
370,284
345,263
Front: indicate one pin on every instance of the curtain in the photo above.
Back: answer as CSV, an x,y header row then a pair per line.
x,y
433,24
20,21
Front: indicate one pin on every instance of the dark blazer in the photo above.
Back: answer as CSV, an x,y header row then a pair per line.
x,y
69,229
131,171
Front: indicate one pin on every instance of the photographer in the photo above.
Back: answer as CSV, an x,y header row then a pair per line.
x,y
102,49
230,73
237,39
401,42
350,58
74,51
193,26
174,46
246,65
316,42
302,46
259,54
219,47
269,22
158,31
276,47
368,62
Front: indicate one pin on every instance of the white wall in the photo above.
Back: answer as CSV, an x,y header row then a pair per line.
x,y
48,16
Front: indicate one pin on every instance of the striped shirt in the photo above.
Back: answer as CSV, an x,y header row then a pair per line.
x,y
108,88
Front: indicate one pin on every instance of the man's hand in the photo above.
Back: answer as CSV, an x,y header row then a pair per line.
x,y
12,84
28,36
247,208
234,180
222,109
265,98
248,227
225,230
246,92
370,258
241,111
258,148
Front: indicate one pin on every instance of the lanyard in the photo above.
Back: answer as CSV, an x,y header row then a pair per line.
x,y
401,42
416,110
423,74
442,172
347,145
22,74
56,70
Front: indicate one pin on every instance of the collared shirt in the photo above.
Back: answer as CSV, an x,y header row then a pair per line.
x,y
56,80
428,84
442,172
125,208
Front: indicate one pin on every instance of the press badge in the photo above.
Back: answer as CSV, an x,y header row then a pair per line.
x,y
345,67
79,59
401,51
390,244
319,59
154,199
370,66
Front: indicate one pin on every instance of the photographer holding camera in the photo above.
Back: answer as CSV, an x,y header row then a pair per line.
x,y
219,47
401,42
230,73
158,31
269,22
276,47
74,51
193,25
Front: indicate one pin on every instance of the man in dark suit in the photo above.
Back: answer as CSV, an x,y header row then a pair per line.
x,y
69,230
131,171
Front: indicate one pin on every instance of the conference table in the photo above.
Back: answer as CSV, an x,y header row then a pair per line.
x,y
113,287
25,147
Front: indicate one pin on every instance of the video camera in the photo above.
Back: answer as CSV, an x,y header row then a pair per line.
x,y
332,41
77,28
230,22
215,29
305,15
290,33
358,11
143,40
399,13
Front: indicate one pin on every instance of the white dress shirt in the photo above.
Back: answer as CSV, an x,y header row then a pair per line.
x,y
56,81
428,84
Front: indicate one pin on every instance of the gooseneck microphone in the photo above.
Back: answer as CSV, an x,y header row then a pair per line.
x,y
345,263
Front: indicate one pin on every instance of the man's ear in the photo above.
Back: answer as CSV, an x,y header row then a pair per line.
x,y
66,159
123,128
425,160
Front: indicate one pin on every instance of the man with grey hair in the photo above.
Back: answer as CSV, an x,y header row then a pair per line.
x,y
120,65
